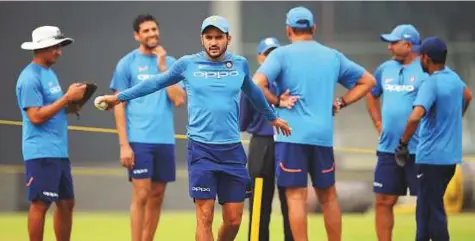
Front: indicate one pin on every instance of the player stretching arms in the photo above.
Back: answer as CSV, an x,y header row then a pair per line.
x,y
213,80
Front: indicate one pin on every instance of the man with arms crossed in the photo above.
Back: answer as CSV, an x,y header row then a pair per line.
x,y
261,162
45,134
213,80
310,71
439,107
397,82
145,127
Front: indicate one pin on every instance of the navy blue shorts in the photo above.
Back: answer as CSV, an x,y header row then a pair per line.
x,y
49,179
294,161
218,170
392,179
154,161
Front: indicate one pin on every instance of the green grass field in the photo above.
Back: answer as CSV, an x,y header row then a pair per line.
x,y
179,226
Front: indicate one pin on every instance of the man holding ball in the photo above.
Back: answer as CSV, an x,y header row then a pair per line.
x,y
213,78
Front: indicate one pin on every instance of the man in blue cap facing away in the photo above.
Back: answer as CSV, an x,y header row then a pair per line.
x,y
261,151
397,83
438,110
213,80
310,71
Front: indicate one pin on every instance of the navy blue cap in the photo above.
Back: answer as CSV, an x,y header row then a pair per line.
x,y
216,21
405,32
297,15
435,48
266,44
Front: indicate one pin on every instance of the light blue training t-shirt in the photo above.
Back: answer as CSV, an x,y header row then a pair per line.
x,y
149,118
38,86
311,71
213,89
440,135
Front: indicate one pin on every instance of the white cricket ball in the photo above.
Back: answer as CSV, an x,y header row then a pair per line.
x,y
100,105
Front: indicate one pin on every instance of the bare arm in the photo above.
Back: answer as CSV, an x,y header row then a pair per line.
x,y
121,123
268,73
424,101
373,105
417,113
39,115
361,89
285,100
467,96
261,80
176,94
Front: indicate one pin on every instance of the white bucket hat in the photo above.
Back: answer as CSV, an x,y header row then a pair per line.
x,y
46,36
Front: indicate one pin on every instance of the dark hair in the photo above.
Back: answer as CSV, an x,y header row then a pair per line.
x,y
141,19
211,27
267,52
300,31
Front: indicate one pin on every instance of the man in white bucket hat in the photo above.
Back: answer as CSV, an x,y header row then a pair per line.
x,y
46,36
45,134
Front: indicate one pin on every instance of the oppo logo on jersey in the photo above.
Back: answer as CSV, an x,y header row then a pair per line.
x,y
399,88
54,90
215,74
143,77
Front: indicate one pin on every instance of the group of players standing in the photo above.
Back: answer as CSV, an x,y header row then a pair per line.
x,y
298,80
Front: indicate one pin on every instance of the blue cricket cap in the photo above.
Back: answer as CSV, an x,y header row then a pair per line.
x,y
405,32
299,17
266,44
435,48
216,21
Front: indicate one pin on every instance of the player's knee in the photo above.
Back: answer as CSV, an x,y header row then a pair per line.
x,y
296,194
232,214
158,191
65,205
204,212
327,195
205,218
39,206
386,200
233,221
140,195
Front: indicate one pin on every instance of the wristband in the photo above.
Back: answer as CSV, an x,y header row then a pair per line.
x,y
340,102
402,143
